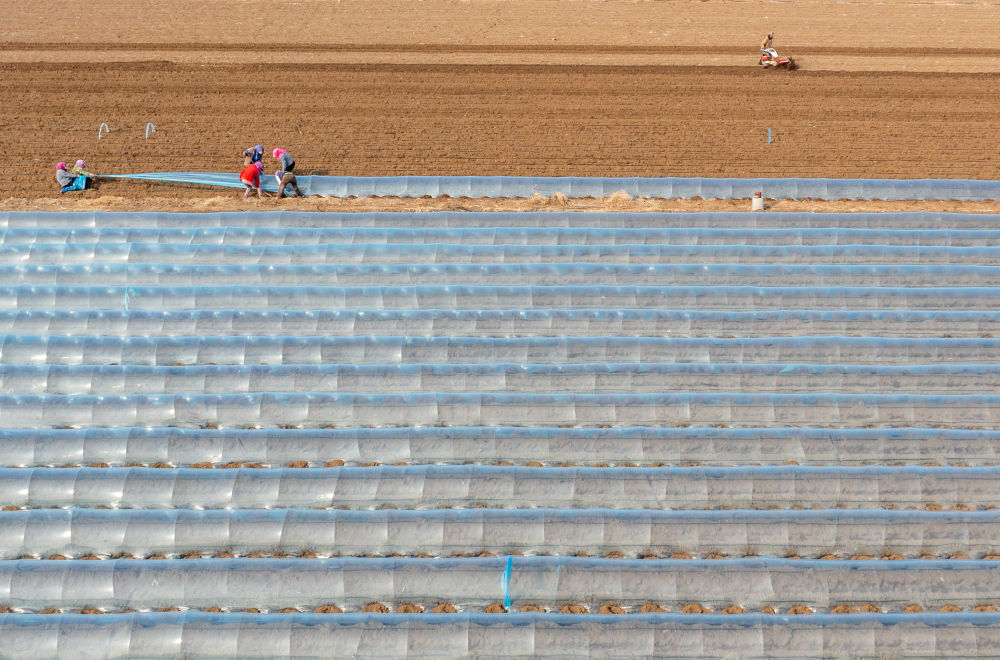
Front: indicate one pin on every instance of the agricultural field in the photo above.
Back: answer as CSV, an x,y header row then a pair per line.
x,y
530,88
546,426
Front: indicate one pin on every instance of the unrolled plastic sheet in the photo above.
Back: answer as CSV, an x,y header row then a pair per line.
x,y
80,532
414,234
168,635
350,583
547,325
453,445
83,254
730,298
447,486
666,187
570,352
510,275
78,224
312,409
588,378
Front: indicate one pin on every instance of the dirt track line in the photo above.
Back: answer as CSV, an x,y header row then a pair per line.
x,y
952,64
493,49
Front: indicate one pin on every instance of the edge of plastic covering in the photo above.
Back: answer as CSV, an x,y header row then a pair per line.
x,y
216,226
198,634
664,187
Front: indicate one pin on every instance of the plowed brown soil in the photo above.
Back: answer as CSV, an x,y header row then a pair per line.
x,y
524,87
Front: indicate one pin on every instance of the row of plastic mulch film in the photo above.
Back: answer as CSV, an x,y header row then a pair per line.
x,y
484,297
569,353
453,255
667,187
464,486
105,226
197,634
105,239
313,409
590,378
352,582
842,533
505,332
512,275
711,446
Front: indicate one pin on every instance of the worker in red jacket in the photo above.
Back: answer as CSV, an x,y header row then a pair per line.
x,y
250,176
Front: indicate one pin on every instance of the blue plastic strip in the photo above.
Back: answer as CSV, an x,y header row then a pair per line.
x,y
507,571
666,187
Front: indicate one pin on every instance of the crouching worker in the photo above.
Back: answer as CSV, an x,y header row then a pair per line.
x,y
250,176
80,169
287,179
253,155
69,181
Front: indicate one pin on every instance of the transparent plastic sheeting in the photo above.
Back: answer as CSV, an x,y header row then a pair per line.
x,y
367,239
447,486
663,187
605,378
169,635
567,352
80,223
350,583
508,275
730,298
552,327
81,532
314,409
430,445
62,254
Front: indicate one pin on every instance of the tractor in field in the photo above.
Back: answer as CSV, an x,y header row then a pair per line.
x,y
769,59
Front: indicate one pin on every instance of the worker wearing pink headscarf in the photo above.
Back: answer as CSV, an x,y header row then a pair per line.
x,y
285,160
80,169
64,178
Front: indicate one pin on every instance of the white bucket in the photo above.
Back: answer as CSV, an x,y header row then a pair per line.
x,y
757,202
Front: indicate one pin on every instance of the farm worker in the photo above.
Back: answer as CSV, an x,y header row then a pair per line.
x,y
768,41
253,154
64,178
287,179
250,176
284,159
80,169
67,180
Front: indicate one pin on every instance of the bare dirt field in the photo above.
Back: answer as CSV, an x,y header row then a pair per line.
x,y
483,87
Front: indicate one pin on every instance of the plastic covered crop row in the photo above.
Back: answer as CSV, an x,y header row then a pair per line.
x,y
312,409
731,298
474,583
553,324
590,378
558,446
543,274
80,221
910,534
365,350
185,253
446,486
169,635
696,232
664,187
